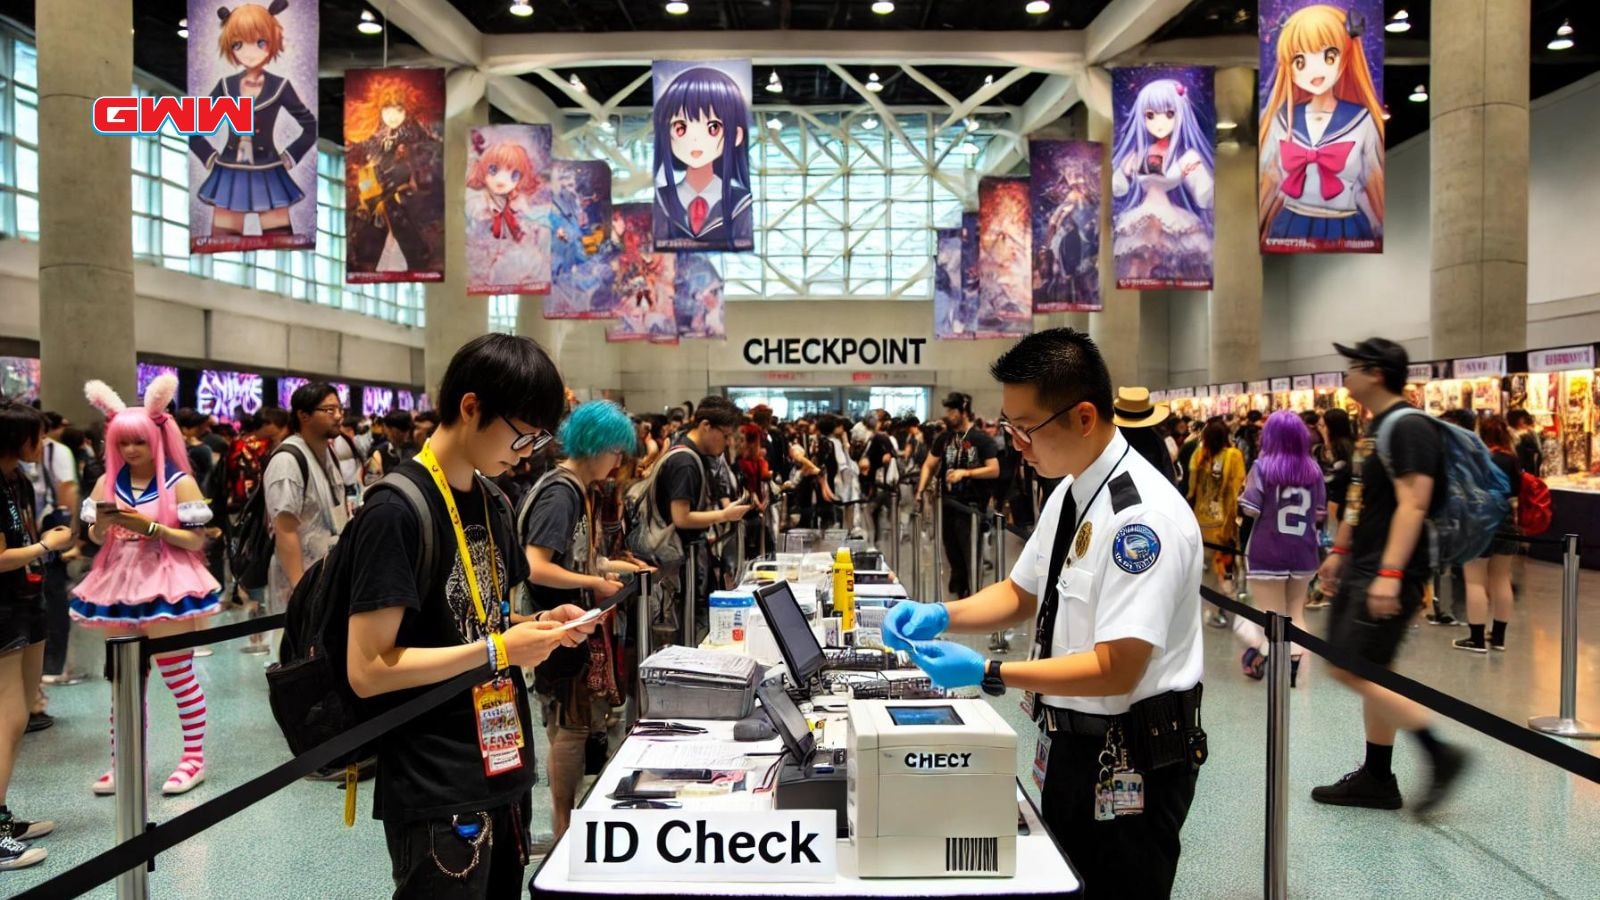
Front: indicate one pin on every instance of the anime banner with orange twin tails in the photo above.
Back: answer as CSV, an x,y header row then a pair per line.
x,y
508,209
1321,126
394,175
255,191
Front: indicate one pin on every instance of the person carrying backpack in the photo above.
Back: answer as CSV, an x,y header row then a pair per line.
x,y
1378,569
1488,577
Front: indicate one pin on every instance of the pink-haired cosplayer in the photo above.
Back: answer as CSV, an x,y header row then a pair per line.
x,y
150,575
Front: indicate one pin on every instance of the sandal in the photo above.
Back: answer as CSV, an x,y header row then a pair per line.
x,y
186,777
104,786
1254,663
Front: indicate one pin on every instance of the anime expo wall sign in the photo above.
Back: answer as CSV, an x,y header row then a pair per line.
x,y
394,175
1321,126
1163,177
1065,201
642,280
580,242
1005,292
255,191
508,209
701,167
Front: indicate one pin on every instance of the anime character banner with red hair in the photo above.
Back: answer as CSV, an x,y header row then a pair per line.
x,y
1005,291
508,209
1321,126
255,191
394,175
643,280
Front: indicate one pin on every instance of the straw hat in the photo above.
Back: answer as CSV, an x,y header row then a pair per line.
x,y
1134,410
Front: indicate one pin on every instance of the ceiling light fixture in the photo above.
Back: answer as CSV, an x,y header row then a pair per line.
x,y
1037,7
873,84
775,123
522,8
774,84
1563,38
1419,94
883,7
677,8
1226,124
577,83
1399,23
870,123
369,23
988,80
183,28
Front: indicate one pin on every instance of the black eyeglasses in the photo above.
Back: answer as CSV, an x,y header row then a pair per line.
x,y
1024,436
538,440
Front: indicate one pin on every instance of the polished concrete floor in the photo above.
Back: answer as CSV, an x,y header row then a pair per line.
x,y
1517,827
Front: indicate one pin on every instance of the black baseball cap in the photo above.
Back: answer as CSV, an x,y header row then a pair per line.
x,y
1378,352
958,400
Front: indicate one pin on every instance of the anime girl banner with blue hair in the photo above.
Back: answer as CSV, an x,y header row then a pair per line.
x,y
701,167
508,209
580,241
1005,292
255,191
1163,177
1321,126
1065,183
697,298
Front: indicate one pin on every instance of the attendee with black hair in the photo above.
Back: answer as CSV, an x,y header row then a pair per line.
x,y
964,463
306,503
396,447
423,424
1140,422
1526,437
685,494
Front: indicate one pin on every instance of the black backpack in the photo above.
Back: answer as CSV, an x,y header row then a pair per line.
x,y
251,545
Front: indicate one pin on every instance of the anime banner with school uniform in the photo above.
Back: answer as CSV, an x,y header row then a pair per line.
x,y
643,280
697,298
950,322
1321,126
580,241
255,191
1005,291
508,209
1064,181
1163,177
701,165
394,175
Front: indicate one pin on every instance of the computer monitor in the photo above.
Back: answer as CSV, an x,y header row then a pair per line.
x,y
788,720
790,630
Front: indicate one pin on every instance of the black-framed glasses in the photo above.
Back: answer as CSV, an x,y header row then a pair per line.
x,y
334,410
1024,436
538,440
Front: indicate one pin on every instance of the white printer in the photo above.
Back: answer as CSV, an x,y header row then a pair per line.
x,y
932,789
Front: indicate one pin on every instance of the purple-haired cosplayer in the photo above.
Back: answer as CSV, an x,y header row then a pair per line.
x,y
1162,179
701,126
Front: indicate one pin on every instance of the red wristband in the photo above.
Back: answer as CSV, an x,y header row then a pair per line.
x,y
1340,551
1391,573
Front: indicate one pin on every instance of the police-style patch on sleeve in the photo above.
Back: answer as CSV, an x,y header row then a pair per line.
x,y
1124,493
1135,548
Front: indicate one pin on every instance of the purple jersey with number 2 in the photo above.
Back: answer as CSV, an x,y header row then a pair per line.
x,y
1283,542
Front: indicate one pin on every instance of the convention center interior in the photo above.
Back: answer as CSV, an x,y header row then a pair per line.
x,y
863,449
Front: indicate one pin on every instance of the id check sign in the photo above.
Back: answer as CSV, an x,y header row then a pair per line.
x,y
677,845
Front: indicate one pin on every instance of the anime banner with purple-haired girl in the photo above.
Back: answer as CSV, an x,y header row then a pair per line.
x,y
949,322
1005,292
701,168
255,191
643,280
1321,126
1163,177
580,242
508,209
1065,184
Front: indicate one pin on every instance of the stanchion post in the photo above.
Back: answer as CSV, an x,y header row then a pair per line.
x,y
894,527
691,587
1276,874
127,703
641,631
936,593
999,537
974,557
1567,724
738,549
916,556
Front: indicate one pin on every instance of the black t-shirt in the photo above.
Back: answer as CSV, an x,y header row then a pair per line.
x,y
431,766
968,450
682,477
559,523
1415,446
1530,454
20,585
877,448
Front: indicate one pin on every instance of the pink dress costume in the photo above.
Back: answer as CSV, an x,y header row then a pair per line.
x,y
137,579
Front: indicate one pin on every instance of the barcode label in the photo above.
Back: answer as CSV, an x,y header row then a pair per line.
x,y
972,854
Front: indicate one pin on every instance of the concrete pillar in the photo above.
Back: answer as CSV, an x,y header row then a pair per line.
x,y
454,317
588,364
1235,298
86,289
1478,165
1116,330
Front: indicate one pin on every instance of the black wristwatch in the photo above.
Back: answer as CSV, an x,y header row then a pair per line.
x,y
993,684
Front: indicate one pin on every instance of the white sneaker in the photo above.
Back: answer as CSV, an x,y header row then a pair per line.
x,y
185,778
105,786
14,854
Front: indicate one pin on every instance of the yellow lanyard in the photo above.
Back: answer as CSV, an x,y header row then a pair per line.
x,y
431,462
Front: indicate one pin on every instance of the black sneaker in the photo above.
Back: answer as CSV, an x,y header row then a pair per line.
x,y
1445,619
1470,645
1360,788
1447,767
1501,647
14,854
21,830
39,721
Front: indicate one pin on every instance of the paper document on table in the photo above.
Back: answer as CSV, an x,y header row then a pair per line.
x,y
643,754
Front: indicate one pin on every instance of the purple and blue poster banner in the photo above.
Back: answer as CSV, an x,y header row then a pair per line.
x,y
1064,179
1321,126
148,372
580,242
1005,291
1163,177
948,289
508,209
697,298
701,166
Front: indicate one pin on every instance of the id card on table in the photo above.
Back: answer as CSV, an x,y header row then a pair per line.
x,y
500,737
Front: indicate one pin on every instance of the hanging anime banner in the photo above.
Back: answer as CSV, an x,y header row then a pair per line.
x,y
1005,292
1163,177
702,155
255,191
1321,126
508,209
394,175
1065,207
697,298
642,280
580,242
948,289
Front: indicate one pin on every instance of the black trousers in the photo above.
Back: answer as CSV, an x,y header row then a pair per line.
x,y
1129,856
429,859
958,551
57,621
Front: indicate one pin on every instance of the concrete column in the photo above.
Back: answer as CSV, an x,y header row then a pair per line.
x,y
1116,330
588,364
1478,155
1235,298
86,293
454,317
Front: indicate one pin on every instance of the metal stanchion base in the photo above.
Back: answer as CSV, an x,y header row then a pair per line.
x,y
1567,728
1000,641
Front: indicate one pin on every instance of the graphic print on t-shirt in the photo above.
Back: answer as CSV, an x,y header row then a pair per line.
x,y
459,596
1365,447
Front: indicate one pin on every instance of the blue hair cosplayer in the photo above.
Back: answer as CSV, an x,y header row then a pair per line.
x,y
697,94
597,427
1164,95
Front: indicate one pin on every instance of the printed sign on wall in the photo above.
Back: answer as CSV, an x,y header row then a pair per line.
x,y
1065,206
580,241
508,209
394,175
1163,177
702,155
1005,292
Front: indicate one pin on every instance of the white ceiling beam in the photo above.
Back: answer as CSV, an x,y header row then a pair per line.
x,y
524,102
1225,51
983,95
438,27
1050,102
1125,24
463,88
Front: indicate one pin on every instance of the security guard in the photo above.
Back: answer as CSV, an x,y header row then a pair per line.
x,y
1112,578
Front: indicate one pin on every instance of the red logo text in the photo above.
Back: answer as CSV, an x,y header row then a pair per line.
x,y
188,115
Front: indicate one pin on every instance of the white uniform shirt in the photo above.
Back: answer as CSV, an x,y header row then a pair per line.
x,y
1139,576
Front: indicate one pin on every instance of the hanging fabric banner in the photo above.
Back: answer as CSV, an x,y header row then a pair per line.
x,y
697,298
702,155
394,175
1321,126
255,191
1005,292
1065,200
1163,177
508,209
642,280
948,294
580,242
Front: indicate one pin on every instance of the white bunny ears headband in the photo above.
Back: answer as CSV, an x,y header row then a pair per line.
x,y
156,397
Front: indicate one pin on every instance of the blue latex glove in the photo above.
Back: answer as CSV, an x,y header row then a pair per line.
x,y
949,664
908,621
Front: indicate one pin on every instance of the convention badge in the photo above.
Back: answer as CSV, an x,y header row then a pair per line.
x,y
1041,759
1135,548
1127,789
1080,543
500,738
1105,803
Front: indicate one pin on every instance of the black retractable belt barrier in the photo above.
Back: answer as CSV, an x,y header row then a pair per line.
x,y
157,646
